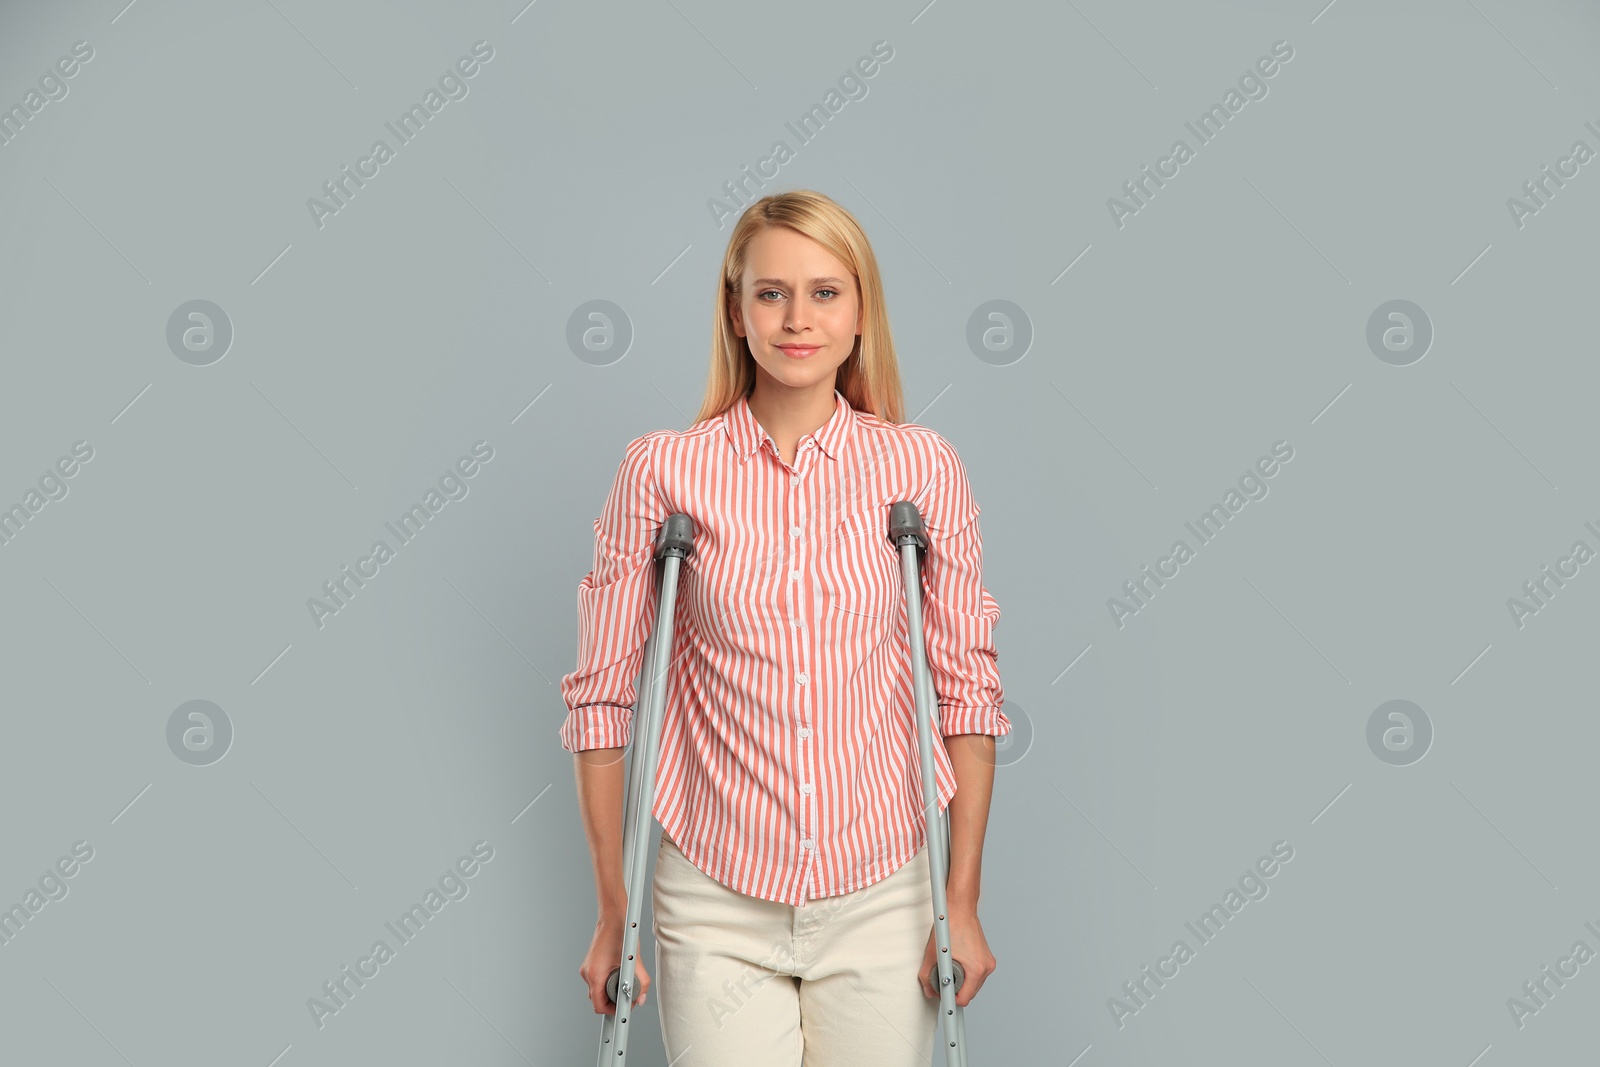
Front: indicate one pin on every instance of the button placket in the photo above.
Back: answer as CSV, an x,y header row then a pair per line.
x,y
796,514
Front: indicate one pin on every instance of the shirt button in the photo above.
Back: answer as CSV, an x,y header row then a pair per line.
x,y
806,788
807,843
801,678
795,621
794,576
805,732
794,531
795,480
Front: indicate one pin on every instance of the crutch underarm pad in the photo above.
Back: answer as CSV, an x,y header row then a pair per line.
x,y
905,520
676,537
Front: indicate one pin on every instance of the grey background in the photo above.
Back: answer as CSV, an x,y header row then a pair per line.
x,y
432,312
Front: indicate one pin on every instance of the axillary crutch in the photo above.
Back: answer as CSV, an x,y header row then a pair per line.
x,y
673,545
906,533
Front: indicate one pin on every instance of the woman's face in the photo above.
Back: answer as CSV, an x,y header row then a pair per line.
x,y
798,307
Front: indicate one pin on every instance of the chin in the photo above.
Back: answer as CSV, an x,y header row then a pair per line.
x,y
809,374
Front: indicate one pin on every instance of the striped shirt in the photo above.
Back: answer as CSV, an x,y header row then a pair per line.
x,y
789,767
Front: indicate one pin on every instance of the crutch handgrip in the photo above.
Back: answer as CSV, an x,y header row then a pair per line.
x,y
958,973
906,521
611,984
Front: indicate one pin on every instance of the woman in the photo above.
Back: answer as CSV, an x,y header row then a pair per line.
x,y
791,895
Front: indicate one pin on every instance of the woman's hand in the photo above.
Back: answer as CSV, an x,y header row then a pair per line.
x,y
968,945
605,952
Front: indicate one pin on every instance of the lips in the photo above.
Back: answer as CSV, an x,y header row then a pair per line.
x,y
798,351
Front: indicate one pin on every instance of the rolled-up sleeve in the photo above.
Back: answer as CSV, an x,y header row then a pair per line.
x,y
959,613
616,608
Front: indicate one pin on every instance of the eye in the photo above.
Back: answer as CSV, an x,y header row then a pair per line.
x,y
826,289
764,292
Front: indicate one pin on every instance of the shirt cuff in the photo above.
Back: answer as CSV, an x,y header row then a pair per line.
x,y
596,726
986,719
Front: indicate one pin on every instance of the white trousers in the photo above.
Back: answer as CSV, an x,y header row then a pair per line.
x,y
742,981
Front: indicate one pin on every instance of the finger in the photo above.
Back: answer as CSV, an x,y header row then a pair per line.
x,y
588,989
928,973
599,997
970,985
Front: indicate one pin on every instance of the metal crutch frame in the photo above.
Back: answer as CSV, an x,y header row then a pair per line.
x,y
907,534
673,545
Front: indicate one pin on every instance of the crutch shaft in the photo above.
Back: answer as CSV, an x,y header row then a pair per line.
x,y
906,532
673,545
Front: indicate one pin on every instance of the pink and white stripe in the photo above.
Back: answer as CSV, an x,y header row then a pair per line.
x,y
789,766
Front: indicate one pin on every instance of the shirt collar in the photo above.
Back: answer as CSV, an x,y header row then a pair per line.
x,y
745,434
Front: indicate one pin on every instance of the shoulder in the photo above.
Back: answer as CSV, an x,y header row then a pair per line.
x,y
647,447
909,439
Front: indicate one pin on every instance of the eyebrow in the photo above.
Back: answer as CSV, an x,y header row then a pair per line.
x,y
780,281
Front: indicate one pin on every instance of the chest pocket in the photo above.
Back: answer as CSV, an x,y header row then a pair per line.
x,y
862,575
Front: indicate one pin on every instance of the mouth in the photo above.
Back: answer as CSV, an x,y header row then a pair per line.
x,y
798,351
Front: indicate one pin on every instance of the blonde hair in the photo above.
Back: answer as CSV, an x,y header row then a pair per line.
x,y
870,378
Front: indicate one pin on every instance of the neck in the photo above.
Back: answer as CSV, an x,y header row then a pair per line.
x,y
788,413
